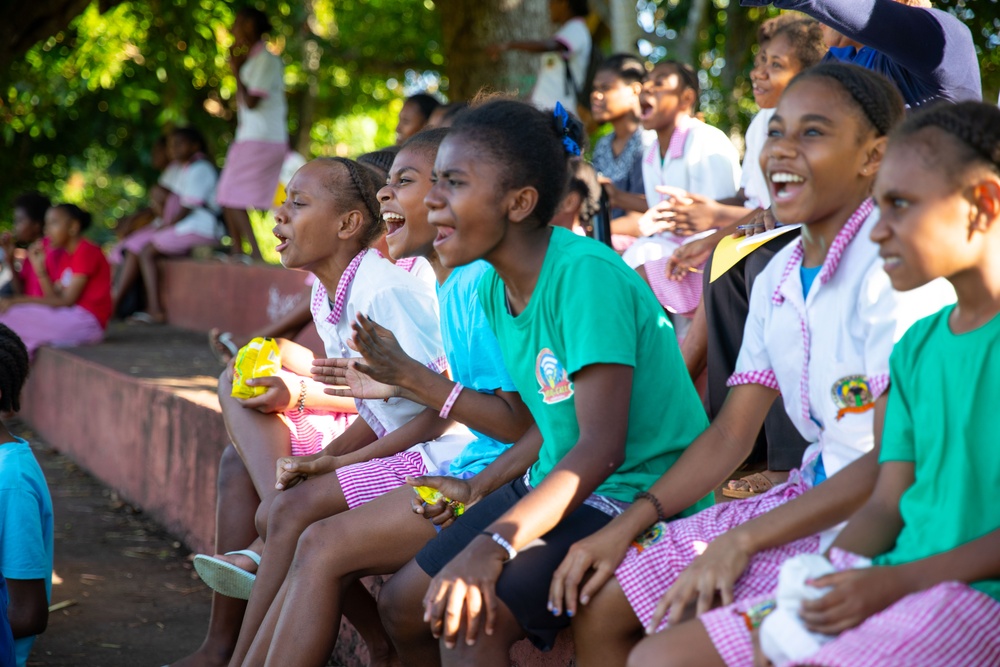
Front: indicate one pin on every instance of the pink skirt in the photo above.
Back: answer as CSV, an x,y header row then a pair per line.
x,y
312,430
164,239
949,625
677,297
647,574
363,482
39,325
250,177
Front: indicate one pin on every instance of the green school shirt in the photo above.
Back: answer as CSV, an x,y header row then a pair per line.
x,y
589,307
942,417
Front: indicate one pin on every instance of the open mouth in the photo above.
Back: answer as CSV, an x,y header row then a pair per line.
x,y
282,242
645,109
785,185
393,222
443,234
891,262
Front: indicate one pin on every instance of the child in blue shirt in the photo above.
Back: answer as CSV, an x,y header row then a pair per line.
x,y
25,513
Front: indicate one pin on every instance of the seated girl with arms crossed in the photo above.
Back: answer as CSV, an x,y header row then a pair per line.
x,y
73,309
931,526
823,319
585,341
381,536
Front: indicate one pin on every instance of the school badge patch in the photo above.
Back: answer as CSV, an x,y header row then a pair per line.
x,y
651,536
852,395
552,378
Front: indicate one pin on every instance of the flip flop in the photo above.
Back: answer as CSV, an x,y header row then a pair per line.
x,y
140,317
226,340
756,482
226,578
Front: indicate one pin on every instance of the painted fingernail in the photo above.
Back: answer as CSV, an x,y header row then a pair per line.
x,y
584,599
569,613
549,606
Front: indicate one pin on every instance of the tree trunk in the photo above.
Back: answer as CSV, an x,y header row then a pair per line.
x,y
685,47
468,26
625,30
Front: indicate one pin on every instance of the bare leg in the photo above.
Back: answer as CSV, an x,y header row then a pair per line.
x,y
127,275
260,439
147,264
376,538
238,224
489,650
400,604
291,513
684,644
234,529
606,629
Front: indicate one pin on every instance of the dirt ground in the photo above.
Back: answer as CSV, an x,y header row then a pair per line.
x,y
133,597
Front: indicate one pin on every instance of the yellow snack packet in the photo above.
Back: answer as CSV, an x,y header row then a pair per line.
x,y
258,358
431,496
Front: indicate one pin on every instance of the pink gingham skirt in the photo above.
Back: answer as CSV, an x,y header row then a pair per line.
x,y
680,297
949,625
363,482
311,430
645,576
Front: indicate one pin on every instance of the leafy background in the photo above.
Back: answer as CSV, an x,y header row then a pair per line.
x,y
81,109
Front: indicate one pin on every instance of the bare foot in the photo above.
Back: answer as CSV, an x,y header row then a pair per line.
x,y
239,560
206,656
222,345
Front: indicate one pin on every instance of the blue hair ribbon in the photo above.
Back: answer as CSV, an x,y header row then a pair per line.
x,y
562,116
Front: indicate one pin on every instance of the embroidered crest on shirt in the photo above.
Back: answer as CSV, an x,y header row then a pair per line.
x,y
552,378
852,394
651,536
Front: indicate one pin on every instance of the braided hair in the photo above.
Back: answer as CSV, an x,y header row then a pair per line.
x,y
973,129
380,160
13,369
361,192
526,145
877,99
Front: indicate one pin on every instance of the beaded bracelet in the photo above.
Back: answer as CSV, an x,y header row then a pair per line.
x,y
301,404
499,539
646,495
450,402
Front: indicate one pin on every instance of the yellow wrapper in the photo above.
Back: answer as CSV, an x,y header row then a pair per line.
x,y
258,358
431,496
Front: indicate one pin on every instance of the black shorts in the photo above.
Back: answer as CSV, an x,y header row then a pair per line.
x,y
524,583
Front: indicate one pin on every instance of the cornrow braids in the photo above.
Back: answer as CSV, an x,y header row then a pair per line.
x,y
876,97
366,186
974,127
13,369
380,160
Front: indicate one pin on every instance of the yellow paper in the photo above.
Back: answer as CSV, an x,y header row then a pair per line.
x,y
731,250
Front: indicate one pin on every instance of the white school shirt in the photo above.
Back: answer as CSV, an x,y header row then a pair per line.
x,y
754,183
829,354
551,85
405,305
170,177
263,74
196,189
699,159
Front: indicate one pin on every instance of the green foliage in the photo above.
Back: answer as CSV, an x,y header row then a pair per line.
x,y
81,111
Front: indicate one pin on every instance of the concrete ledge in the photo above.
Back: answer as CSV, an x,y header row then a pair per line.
x,y
153,434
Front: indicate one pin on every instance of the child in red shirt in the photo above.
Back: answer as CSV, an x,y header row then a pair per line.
x,y
74,309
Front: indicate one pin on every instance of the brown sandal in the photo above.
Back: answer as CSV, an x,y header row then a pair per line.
x,y
756,484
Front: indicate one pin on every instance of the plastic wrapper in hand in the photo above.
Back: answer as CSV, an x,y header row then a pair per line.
x,y
258,358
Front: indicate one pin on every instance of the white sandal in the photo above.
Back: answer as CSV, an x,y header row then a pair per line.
x,y
225,578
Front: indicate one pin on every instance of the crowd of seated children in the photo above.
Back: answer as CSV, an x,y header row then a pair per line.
x,y
496,317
